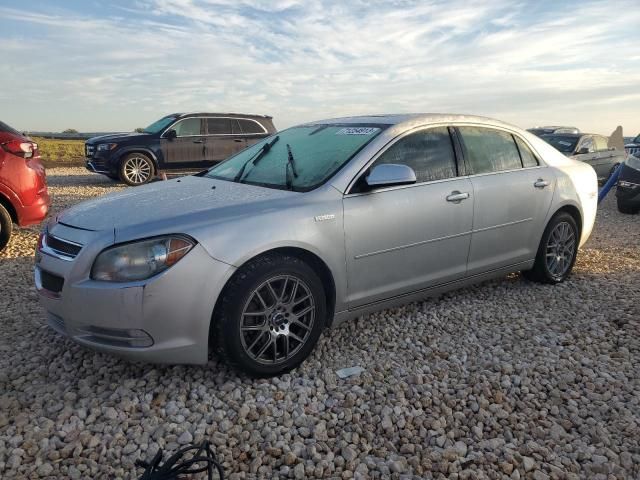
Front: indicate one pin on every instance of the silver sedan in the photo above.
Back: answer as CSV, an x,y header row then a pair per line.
x,y
312,226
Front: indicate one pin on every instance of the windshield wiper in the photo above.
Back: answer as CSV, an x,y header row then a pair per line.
x,y
290,162
256,158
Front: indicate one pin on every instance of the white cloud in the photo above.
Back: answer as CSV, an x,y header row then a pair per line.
x,y
522,62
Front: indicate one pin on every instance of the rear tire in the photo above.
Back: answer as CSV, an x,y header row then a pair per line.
x,y
624,208
136,169
6,227
270,316
557,251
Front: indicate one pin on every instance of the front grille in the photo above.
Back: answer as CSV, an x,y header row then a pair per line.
x,y
51,282
89,150
62,247
635,151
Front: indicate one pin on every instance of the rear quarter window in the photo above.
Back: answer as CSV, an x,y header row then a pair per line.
x,y
251,126
528,158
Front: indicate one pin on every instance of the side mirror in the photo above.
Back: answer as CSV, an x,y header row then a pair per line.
x,y
583,150
389,174
170,134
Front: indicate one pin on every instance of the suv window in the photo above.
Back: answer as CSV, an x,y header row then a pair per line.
x,y
188,126
488,150
528,158
601,144
221,126
429,153
250,126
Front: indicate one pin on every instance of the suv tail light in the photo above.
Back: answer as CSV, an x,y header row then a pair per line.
x,y
19,148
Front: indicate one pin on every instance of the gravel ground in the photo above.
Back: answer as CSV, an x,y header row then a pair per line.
x,y
507,379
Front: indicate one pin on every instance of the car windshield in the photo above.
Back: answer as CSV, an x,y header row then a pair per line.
x,y
159,125
564,143
636,140
299,158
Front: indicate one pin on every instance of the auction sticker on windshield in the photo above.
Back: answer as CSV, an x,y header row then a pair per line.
x,y
357,131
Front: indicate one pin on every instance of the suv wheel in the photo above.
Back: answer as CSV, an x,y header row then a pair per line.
x,y
6,227
136,169
557,251
271,316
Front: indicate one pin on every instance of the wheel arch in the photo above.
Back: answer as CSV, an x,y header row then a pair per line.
x,y
574,212
6,203
311,259
140,150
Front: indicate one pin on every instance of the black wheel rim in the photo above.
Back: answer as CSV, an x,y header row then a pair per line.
x,y
277,320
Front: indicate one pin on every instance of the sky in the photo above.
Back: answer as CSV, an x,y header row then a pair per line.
x,y
114,66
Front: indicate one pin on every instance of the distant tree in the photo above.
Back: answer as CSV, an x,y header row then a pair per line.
x,y
70,130
139,130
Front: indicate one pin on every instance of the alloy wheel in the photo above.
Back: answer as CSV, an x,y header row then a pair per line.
x,y
137,170
561,247
277,319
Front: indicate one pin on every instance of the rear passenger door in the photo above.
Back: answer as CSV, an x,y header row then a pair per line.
x,y
512,192
224,138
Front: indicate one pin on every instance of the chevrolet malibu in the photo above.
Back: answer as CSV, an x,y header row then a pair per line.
x,y
306,229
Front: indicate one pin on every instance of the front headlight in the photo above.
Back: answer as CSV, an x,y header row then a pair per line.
x,y
140,260
106,146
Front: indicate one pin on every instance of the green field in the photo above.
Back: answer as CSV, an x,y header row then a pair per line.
x,y
60,152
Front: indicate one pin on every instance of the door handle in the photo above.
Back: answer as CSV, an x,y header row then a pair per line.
x,y
457,197
198,141
238,140
540,183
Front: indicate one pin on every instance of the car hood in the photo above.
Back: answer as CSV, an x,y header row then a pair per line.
x,y
114,136
172,204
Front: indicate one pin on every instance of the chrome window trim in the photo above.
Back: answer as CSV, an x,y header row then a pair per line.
x,y
264,130
372,160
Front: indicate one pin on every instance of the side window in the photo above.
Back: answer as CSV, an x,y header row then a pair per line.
x,y
218,126
188,126
429,153
586,143
487,150
528,158
249,126
601,144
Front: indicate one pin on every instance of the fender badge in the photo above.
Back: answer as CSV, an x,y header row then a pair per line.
x,y
322,218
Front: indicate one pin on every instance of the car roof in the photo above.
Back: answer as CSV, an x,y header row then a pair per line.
x,y
412,119
220,114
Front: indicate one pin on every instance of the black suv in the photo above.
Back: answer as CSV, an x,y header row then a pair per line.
x,y
180,141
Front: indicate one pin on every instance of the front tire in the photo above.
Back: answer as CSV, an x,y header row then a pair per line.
x,y
6,227
557,251
136,169
270,316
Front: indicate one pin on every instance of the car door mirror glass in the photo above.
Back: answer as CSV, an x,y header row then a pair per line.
x,y
389,174
170,134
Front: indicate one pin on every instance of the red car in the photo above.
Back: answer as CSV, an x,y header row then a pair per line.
x,y
24,198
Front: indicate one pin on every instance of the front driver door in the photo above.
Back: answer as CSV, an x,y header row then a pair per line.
x,y
406,238
187,149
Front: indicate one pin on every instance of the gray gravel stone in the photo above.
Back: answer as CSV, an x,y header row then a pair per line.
x,y
506,378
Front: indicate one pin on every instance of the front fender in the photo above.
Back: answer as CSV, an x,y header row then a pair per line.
x,y
121,152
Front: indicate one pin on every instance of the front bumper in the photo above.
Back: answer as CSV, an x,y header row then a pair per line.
x,y
164,319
